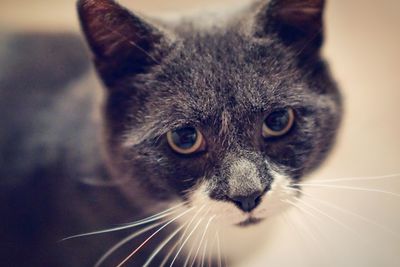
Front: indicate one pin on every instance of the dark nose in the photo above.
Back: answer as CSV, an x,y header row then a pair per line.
x,y
249,202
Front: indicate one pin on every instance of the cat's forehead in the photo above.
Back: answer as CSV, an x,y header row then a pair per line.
x,y
227,71
222,78
231,58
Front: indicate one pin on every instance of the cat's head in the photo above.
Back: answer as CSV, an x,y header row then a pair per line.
x,y
228,115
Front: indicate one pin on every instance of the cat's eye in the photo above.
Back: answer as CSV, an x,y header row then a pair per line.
x,y
186,140
278,123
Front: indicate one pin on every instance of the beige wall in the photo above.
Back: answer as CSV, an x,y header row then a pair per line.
x,y
363,46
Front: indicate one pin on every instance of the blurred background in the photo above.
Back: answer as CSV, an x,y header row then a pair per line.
x,y
355,226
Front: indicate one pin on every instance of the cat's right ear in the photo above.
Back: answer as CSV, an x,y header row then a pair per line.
x,y
297,23
121,42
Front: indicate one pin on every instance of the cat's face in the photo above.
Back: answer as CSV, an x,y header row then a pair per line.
x,y
226,117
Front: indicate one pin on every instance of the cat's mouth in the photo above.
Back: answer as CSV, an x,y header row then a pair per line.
x,y
249,221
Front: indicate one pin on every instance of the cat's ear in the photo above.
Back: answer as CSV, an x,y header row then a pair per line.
x,y
298,23
122,43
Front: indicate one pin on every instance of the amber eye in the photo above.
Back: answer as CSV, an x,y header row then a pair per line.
x,y
278,122
186,140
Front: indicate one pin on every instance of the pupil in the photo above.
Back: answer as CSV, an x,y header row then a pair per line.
x,y
278,120
185,137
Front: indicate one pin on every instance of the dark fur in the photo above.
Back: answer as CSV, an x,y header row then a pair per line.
x,y
225,81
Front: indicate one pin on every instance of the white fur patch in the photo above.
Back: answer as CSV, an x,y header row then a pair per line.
x,y
224,218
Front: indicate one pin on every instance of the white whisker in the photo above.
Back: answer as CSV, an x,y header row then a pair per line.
x,y
311,234
366,241
334,220
162,245
348,188
151,236
202,239
290,224
367,178
316,226
365,219
189,255
225,258
168,255
152,218
302,209
190,222
321,212
219,251
184,242
209,255
204,253
169,211
123,242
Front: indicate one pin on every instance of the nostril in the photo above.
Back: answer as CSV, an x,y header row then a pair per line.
x,y
258,200
249,202
237,203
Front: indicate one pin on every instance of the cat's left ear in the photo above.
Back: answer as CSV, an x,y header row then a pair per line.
x,y
122,43
297,23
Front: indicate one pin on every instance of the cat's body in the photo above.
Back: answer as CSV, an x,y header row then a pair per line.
x,y
40,161
54,182
68,166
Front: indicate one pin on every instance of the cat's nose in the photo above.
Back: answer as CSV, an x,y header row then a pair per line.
x,y
249,202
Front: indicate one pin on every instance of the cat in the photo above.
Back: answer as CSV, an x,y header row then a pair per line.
x,y
209,127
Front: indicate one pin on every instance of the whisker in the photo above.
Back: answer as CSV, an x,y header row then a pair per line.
x,y
204,253
299,238
336,221
184,242
301,208
152,218
367,178
162,245
316,226
92,181
366,241
151,236
348,188
190,222
225,258
219,251
169,211
187,180
312,235
189,255
168,255
202,239
365,219
321,212
307,245
209,254
119,228
123,242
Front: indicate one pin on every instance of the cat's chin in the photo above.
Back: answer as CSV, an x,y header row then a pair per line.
x,y
250,221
